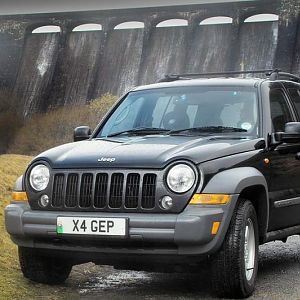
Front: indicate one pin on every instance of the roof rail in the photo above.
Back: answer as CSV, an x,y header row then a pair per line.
x,y
272,74
174,77
276,75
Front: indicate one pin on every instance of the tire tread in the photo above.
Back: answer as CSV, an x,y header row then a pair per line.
x,y
43,269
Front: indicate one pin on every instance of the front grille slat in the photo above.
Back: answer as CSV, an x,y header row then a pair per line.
x,y
148,191
101,190
71,191
104,191
132,190
116,189
58,190
86,190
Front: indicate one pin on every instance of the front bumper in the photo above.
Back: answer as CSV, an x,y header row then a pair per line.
x,y
187,233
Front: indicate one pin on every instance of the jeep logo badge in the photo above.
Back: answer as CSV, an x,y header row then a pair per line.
x,y
106,159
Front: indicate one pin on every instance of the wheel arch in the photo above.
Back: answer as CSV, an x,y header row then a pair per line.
x,y
248,183
257,194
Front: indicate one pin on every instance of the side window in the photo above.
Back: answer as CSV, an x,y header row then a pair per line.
x,y
280,112
295,97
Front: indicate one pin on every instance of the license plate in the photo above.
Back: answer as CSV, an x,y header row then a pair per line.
x,y
91,226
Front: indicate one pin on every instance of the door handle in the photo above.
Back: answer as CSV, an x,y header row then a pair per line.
x,y
298,156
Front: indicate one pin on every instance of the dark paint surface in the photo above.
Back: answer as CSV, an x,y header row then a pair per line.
x,y
144,151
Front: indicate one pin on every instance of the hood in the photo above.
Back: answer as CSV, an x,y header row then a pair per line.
x,y
153,151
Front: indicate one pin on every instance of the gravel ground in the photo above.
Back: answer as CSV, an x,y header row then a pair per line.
x,y
278,278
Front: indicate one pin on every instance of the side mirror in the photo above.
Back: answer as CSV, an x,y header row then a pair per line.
x,y
291,133
82,133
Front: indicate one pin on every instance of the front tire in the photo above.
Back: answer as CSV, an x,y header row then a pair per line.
x,y
234,267
43,269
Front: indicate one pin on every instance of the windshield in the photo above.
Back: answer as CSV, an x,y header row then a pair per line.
x,y
176,110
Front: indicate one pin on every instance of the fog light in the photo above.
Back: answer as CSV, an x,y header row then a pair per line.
x,y
166,202
44,200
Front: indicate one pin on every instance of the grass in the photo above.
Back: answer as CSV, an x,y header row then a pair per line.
x,y
11,280
12,283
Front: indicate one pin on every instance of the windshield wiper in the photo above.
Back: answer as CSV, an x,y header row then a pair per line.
x,y
140,130
209,129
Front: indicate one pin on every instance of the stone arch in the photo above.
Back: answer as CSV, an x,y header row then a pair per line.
x,y
47,29
216,20
130,25
88,27
262,18
173,23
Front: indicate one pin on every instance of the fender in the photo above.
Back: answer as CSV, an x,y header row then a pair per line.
x,y
235,181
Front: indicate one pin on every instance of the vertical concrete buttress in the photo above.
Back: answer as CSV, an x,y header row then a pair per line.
x,y
53,69
287,34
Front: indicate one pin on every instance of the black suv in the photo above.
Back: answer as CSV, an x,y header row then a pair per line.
x,y
176,172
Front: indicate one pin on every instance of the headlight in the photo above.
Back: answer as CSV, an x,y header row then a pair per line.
x,y
181,178
39,177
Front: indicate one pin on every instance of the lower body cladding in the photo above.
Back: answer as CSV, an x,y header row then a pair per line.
x,y
85,236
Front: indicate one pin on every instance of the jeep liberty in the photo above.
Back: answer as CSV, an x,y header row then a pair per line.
x,y
177,172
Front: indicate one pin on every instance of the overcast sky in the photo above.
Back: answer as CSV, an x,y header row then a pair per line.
x,y
43,6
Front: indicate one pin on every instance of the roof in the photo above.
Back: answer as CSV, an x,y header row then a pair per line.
x,y
247,82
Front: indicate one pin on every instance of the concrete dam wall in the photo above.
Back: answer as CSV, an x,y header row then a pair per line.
x,y
43,70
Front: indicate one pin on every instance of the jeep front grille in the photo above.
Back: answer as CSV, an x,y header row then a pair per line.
x,y
106,191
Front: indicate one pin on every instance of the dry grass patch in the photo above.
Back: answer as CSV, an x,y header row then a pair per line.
x,y
43,131
12,283
11,280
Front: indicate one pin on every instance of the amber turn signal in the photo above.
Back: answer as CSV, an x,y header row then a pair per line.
x,y
210,199
19,196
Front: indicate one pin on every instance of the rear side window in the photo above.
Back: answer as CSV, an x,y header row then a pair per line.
x,y
295,97
280,112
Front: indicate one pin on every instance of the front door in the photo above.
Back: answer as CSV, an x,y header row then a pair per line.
x,y
284,189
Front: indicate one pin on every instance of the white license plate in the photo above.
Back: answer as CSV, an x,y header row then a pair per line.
x,y
91,226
